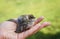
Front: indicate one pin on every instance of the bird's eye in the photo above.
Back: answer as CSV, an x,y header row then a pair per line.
x,y
31,17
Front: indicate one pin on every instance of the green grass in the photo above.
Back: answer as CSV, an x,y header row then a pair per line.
x,y
50,9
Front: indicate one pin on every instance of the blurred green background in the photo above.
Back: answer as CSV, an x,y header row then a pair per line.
x,y
50,9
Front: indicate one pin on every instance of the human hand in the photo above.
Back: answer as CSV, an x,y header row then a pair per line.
x,y
7,29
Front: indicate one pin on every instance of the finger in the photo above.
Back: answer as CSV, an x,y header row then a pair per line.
x,y
34,29
38,20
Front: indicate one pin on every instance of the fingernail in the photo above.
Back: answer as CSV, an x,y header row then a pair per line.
x,y
42,17
47,23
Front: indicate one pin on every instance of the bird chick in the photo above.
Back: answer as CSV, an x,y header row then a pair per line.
x,y
24,22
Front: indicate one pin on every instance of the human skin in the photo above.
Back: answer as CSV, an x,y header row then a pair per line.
x,y
7,29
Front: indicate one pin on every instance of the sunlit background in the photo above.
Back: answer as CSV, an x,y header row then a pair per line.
x,y
50,9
